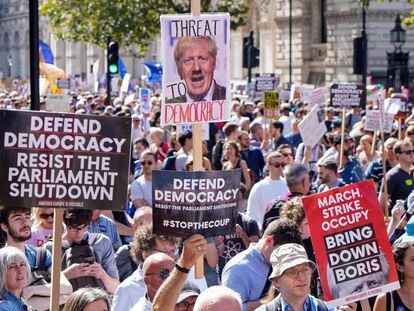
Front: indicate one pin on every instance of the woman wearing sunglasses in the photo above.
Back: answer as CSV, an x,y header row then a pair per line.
x,y
231,153
42,228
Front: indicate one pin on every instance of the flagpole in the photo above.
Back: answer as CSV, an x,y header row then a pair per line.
x,y
34,54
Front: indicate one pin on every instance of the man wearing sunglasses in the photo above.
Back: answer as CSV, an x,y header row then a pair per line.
x,y
141,188
399,181
267,189
156,269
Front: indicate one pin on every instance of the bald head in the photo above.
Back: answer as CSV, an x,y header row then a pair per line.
x,y
156,269
218,298
142,216
155,261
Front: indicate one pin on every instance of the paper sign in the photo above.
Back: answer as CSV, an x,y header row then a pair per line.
x,y
351,245
392,105
205,129
347,95
265,82
312,127
64,160
144,100
271,105
58,102
196,68
185,203
317,97
62,84
125,83
373,118
305,91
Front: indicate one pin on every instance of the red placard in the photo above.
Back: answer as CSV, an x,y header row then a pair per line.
x,y
353,254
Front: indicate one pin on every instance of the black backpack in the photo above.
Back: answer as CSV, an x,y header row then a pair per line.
x,y
82,253
40,275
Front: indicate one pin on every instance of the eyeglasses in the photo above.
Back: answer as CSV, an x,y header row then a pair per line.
x,y
149,163
78,229
163,274
294,273
407,152
46,216
277,164
183,306
287,154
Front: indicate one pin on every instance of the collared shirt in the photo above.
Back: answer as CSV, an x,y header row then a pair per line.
x,y
306,305
31,254
247,273
106,226
129,291
206,98
9,302
143,304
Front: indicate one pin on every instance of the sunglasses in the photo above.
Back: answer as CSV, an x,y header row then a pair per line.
x,y
277,164
287,154
407,152
46,216
410,133
163,274
147,163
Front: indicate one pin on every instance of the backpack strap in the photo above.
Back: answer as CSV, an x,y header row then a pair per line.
x,y
92,237
41,256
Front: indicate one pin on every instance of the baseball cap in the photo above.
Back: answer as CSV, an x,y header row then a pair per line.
x,y
189,289
288,256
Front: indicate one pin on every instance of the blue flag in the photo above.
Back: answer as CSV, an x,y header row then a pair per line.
x,y
154,71
46,52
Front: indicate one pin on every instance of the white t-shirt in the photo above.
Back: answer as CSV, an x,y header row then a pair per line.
x,y
262,194
142,189
39,235
142,305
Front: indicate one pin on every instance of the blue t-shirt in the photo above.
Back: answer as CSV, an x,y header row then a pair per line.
x,y
31,253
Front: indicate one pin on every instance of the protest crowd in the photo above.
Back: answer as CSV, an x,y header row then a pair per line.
x,y
112,260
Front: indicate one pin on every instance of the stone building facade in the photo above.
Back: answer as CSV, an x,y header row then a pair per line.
x,y
322,40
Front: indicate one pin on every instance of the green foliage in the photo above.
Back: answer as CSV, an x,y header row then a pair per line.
x,y
129,22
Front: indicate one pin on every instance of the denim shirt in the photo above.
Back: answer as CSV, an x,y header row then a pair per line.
x,y
9,302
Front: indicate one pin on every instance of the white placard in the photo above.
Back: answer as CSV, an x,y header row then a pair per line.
x,y
125,83
312,127
373,120
58,102
205,128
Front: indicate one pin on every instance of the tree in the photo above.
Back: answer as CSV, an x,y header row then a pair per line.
x,y
129,22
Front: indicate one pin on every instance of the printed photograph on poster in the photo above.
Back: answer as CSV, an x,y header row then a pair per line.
x,y
186,203
347,95
64,160
144,100
312,127
196,63
351,245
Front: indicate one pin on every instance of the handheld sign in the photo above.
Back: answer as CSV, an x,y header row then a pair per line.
x,y
312,127
271,105
265,82
347,95
63,160
354,256
196,63
373,120
144,100
190,127
185,203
